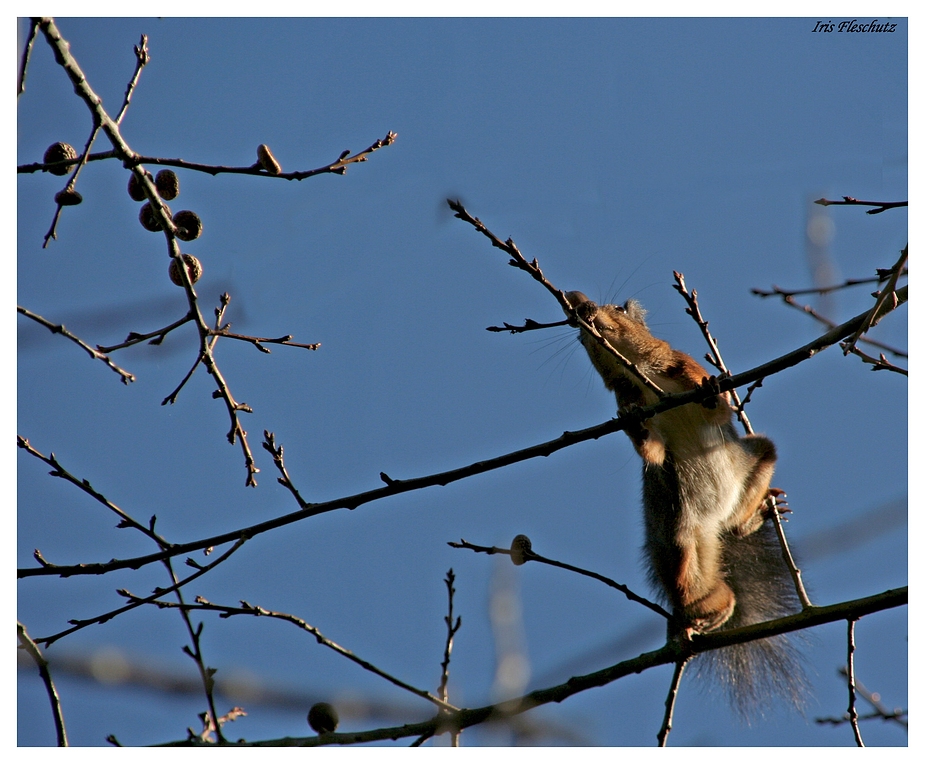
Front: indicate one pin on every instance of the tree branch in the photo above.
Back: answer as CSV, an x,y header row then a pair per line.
x,y
97,354
669,653
567,439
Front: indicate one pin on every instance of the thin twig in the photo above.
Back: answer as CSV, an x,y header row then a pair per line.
x,y
227,611
878,364
257,341
810,311
852,695
533,269
27,52
775,290
714,357
881,711
142,57
135,601
206,673
30,647
269,445
97,354
337,167
126,520
237,431
527,554
210,345
795,573
887,300
517,259
71,184
158,336
670,700
529,326
897,716
850,200
451,628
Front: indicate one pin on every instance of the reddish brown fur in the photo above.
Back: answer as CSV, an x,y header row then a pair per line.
x,y
700,478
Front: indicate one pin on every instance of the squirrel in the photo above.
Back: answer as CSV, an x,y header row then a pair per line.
x,y
711,555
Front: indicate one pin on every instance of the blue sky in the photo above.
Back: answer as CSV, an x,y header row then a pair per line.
x,y
612,150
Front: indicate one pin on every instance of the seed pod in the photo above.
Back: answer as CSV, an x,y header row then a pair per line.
x,y
521,549
189,224
168,184
68,198
59,152
135,188
322,717
267,161
146,216
193,266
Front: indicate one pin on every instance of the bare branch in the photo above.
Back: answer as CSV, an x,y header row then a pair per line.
x,y
212,722
30,647
669,653
451,628
795,572
97,354
156,337
567,439
670,702
882,275
142,57
269,445
522,551
887,300
880,711
135,601
257,341
850,200
227,611
715,358
852,695
529,326
337,167
27,52
533,268
877,364
788,300
127,521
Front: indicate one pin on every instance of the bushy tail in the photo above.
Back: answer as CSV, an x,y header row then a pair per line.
x,y
756,672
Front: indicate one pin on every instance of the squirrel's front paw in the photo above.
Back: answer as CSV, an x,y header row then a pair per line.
x,y
637,433
778,495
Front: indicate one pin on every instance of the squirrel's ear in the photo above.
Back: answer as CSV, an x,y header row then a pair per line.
x,y
635,312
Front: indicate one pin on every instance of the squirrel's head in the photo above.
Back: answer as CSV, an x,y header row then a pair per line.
x,y
611,316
